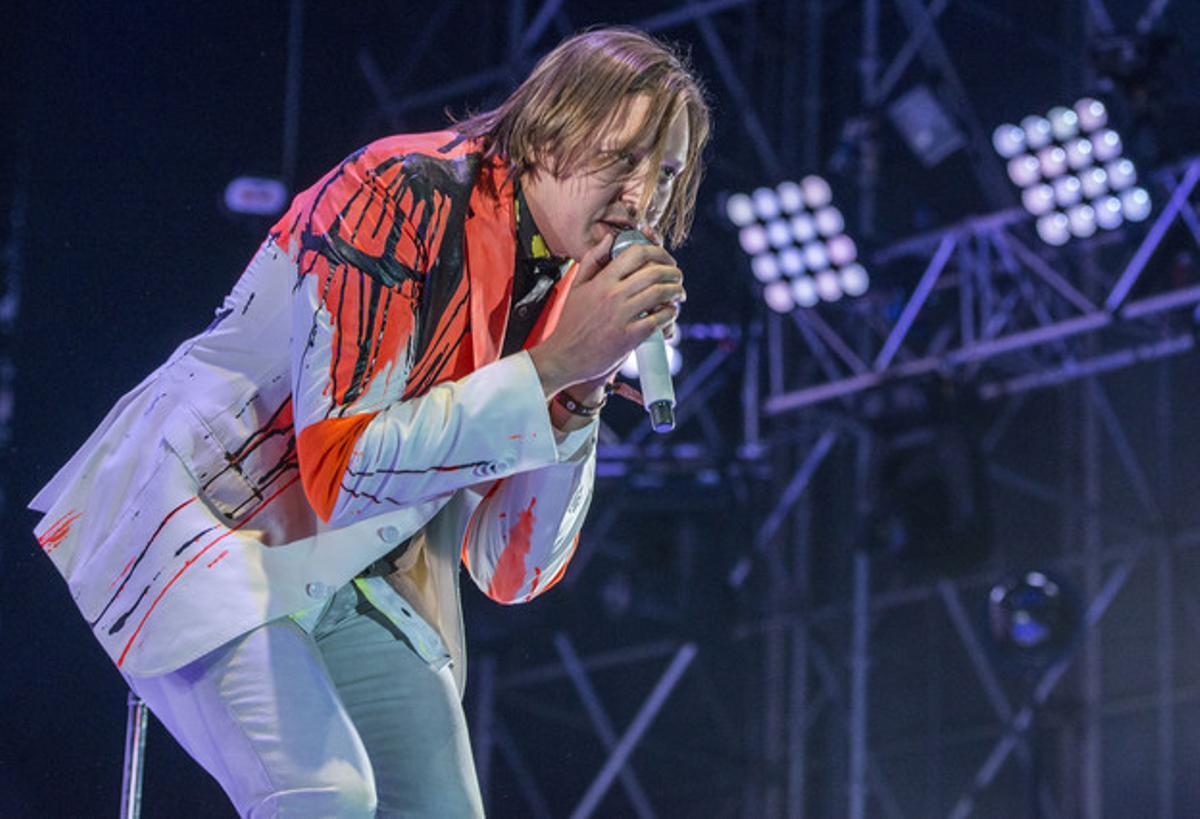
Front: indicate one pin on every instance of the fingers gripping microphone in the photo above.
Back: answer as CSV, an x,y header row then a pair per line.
x,y
658,393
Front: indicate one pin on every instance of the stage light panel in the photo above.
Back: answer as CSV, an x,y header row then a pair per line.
x,y
1068,165
792,229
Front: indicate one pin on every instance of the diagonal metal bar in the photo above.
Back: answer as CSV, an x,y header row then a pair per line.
x,y
910,49
928,279
1154,237
688,13
741,98
600,721
1045,272
641,721
795,489
1153,11
987,677
540,22
1023,719
1137,475
1100,17
810,319
526,782
832,686
984,162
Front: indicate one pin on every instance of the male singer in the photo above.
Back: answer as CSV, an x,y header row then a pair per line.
x,y
265,534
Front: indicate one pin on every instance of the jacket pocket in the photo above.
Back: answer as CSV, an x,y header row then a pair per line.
x,y
238,456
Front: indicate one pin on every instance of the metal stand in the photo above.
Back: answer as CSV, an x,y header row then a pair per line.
x,y
135,756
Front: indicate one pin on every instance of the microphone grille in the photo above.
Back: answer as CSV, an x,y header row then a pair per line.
x,y
627,239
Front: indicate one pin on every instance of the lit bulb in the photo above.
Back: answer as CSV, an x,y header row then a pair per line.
x,y
803,229
855,280
740,209
1092,114
815,256
1081,220
829,221
778,296
1135,203
1038,199
1024,170
753,239
804,291
816,192
1037,132
791,199
1067,190
1079,153
1108,213
765,268
1107,145
1094,182
1054,228
842,250
1008,140
791,260
1064,123
766,203
829,288
1053,161
778,234
1121,174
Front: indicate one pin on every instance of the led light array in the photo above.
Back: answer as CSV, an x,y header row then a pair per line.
x,y
1072,175
797,244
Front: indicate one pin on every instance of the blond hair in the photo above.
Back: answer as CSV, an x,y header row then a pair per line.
x,y
552,121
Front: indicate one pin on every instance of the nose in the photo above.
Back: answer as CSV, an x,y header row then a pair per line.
x,y
635,196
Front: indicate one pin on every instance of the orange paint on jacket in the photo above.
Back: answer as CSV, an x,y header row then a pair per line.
x,y
325,449
509,575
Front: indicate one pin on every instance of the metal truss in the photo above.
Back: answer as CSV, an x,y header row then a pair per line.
x,y
982,303
1000,300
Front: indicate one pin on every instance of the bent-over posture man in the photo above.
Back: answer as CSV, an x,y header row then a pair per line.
x,y
265,534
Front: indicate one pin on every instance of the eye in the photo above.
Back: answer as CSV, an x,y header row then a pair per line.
x,y
667,175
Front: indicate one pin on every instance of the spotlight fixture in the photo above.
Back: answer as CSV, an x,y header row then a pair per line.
x,y
796,240
1072,175
1033,620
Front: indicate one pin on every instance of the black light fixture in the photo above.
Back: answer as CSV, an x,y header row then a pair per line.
x,y
1033,620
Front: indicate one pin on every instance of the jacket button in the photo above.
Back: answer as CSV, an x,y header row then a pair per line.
x,y
318,590
389,534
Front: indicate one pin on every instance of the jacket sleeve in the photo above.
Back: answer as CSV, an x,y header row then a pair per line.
x,y
525,529
381,421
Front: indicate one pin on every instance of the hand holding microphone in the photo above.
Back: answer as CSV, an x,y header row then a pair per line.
x,y
654,372
620,295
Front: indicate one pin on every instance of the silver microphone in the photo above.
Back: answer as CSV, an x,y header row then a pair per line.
x,y
654,373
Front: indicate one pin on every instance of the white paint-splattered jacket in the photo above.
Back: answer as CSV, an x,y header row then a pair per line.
x,y
349,395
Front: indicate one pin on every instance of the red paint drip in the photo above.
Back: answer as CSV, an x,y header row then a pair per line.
x,y
509,576
217,559
193,559
537,578
58,531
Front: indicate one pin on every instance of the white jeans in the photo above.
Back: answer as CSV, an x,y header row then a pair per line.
x,y
345,722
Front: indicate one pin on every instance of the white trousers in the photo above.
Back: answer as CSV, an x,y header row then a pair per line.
x,y
345,722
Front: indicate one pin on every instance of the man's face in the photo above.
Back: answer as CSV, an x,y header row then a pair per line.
x,y
576,211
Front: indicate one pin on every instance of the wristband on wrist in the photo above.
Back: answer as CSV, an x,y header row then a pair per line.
x,y
576,407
